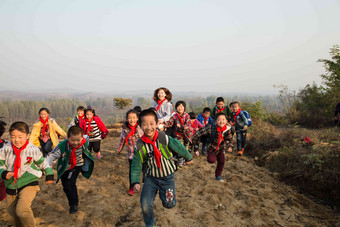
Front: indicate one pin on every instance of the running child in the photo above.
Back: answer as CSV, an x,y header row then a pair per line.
x,y
73,157
131,132
221,108
162,97
80,116
44,133
241,126
153,151
205,119
93,126
182,129
195,124
20,166
220,140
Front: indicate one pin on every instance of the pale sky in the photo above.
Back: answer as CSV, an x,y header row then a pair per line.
x,y
124,45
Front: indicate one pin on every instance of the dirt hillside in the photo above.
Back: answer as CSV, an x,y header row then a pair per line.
x,y
250,196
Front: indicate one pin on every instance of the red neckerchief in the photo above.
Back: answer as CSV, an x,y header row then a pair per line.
x,y
220,136
159,104
44,124
132,132
155,149
237,113
88,128
205,120
1,141
180,118
220,110
81,117
73,158
17,162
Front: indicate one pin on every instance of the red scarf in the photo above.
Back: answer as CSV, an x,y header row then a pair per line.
x,y
220,136
159,104
17,162
73,158
88,127
81,117
180,118
155,149
132,132
44,124
237,113
205,120
220,110
1,141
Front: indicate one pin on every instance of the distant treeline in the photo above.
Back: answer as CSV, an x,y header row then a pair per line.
x,y
64,109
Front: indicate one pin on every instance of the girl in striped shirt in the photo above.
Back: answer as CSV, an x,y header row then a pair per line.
x,y
93,126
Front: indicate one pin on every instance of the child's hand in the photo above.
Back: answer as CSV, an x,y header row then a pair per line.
x,y
197,153
9,175
189,162
136,187
49,182
245,128
178,125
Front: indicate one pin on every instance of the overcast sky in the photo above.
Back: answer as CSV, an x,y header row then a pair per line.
x,y
123,45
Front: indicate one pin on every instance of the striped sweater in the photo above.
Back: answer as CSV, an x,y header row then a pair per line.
x,y
168,166
32,162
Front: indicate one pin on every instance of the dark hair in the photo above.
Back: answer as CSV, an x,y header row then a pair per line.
x,y
147,112
235,102
138,109
2,127
89,108
220,114
20,126
153,109
206,109
192,115
74,130
44,109
219,99
131,111
180,103
168,94
81,108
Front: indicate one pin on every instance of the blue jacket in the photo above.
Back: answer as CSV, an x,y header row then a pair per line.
x,y
201,120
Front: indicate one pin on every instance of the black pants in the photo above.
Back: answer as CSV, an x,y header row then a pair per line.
x,y
95,146
46,147
68,180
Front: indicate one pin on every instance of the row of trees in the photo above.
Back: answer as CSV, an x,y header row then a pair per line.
x,y
314,104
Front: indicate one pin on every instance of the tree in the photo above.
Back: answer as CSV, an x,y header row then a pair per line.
x,y
122,103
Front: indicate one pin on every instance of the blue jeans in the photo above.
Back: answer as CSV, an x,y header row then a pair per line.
x,y
241,136
166,188
46,147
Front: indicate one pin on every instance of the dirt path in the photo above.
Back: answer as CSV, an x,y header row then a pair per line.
x,y
250,196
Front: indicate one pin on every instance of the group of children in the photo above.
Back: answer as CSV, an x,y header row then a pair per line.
x,y
158,141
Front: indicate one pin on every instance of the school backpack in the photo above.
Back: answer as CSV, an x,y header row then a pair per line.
x,y
247,115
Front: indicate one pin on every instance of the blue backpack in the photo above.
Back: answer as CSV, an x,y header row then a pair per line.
x,y
247,115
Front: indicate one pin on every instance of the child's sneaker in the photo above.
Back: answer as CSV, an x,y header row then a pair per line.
x,y
197,153
99,156
240,153
219,178
73,209
131,192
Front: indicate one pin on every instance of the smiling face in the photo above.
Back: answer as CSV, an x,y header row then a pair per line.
x,y
43,115
75,140
220,105
80,113
206,114
161,94
235,107
180,109
149,125
132,119
221,121
89,115
18,138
